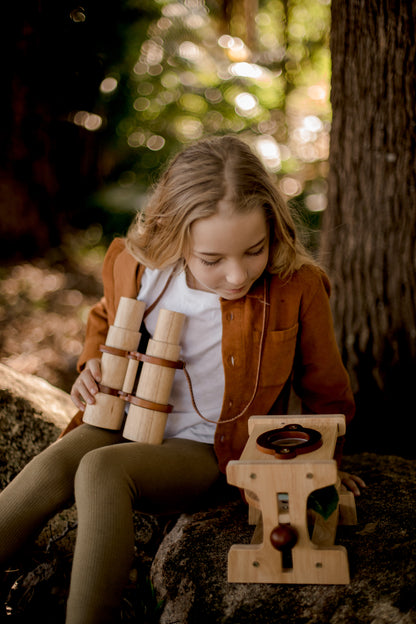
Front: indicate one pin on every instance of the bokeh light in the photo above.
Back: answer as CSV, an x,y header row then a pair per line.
x,y
189,79
246,104
155,142
89,121
109,85
269,152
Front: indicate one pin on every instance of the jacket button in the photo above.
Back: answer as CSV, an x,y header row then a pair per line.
x,y
230,316
222,439
231,360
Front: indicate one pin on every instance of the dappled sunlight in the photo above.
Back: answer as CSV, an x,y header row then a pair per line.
x,y
190,78
44,307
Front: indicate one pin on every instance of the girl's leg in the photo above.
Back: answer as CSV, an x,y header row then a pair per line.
x,y
109,484
45,486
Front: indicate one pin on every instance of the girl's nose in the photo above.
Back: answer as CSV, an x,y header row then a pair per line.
x,y
236,274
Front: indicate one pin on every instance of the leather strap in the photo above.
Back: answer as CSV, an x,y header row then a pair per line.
x,y
131,398
108,390
150,405
142,357
151,359
113,351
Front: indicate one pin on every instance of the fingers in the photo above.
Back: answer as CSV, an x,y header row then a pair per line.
x,y
352,482
351,485
359,481
85,387
94,366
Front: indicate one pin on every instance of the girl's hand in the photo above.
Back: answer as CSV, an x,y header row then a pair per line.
x,y
85,387
351,482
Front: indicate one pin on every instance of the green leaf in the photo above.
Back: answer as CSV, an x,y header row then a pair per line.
x,y
324,501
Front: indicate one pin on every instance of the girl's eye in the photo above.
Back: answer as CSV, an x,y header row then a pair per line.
x,y
256,253
212,263
208,263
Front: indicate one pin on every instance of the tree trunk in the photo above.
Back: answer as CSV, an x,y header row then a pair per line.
x,y
369,230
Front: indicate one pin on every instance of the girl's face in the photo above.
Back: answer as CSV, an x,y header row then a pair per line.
x,y
228,252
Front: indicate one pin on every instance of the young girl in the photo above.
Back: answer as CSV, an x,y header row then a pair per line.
x,y
217,243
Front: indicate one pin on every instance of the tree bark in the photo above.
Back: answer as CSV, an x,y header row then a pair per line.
x,y
368,242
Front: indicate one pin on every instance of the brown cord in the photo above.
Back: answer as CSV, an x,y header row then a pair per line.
x,y
156,301
263,333
181,364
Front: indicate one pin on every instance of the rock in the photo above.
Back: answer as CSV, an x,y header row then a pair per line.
x,y
35,586
53,404
186,557
189,571
32,414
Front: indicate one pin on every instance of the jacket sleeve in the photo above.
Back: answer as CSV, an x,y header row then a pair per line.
x,y
320,378
102,313
98,318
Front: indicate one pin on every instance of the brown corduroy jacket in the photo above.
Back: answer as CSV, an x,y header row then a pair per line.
x,y
299,347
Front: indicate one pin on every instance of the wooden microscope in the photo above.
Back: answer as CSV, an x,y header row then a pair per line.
x,y
285,459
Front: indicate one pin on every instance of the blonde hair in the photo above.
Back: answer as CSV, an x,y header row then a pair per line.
x,y
196,180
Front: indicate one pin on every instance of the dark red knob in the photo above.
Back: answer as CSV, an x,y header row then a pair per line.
x,y
283,537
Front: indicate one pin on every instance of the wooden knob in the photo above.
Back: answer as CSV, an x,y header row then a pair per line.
x,y
283,537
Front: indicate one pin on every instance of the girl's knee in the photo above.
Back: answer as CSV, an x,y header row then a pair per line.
x,y
97,471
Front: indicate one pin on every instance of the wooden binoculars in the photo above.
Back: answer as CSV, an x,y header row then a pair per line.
x,y
149,408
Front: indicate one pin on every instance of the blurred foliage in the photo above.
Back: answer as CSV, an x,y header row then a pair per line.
x,y
186,71
100,96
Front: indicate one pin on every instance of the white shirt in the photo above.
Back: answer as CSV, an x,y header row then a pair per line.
x,y
200,349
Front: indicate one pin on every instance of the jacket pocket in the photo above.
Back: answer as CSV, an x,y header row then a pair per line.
x,y
278,355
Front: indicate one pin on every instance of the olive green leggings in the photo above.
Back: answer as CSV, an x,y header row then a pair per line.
x,y
109,477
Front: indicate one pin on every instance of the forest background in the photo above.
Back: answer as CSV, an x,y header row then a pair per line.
x,y
97,98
